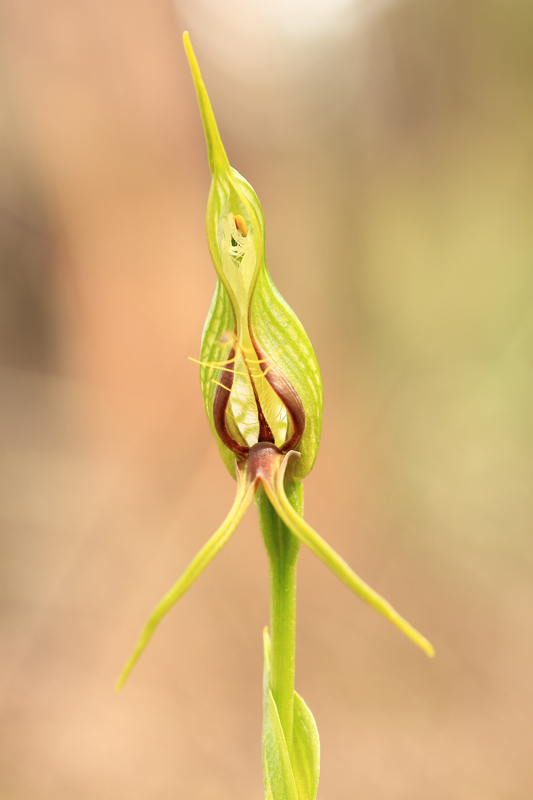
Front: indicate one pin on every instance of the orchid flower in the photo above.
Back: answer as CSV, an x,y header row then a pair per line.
x,y
262,392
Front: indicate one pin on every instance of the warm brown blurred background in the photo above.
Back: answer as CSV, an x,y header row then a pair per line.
x,y
391,144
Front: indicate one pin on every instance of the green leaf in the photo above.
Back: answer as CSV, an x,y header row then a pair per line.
x,y
305,750
277,769
295,773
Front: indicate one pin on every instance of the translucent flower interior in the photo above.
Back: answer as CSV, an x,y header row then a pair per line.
x,y
250,393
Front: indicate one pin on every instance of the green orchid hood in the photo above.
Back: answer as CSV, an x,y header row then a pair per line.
x,y
256,358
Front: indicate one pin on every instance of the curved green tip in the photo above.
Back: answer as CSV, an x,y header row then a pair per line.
x,y
414,635
215,149
430,650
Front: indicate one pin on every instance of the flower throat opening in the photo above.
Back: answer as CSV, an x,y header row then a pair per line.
x,y
253,401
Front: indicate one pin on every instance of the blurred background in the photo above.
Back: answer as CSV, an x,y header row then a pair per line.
x,y
391,145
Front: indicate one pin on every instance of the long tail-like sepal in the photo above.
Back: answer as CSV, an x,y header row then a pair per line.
x,y
245,492
297,525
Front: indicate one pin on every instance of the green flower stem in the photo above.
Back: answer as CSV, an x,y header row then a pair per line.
x,y
282,549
